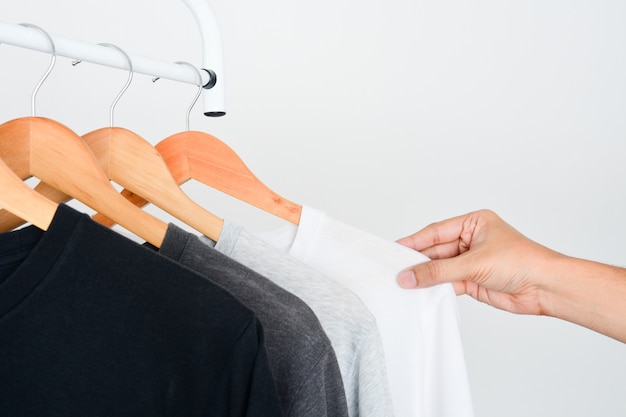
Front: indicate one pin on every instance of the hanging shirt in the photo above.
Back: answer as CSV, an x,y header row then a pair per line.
x,y
301,357
419,328
93,324
348,323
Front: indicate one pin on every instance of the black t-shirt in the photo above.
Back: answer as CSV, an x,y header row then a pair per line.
x,y
93,324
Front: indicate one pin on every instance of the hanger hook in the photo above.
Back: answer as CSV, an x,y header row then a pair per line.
x,y
48,71
195,99
128,81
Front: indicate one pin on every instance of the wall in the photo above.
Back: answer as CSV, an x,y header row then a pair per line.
x,y
390,115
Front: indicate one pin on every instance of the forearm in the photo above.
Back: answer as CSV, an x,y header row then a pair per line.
x,y
588,293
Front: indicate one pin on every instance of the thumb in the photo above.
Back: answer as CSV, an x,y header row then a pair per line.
x,y
431,273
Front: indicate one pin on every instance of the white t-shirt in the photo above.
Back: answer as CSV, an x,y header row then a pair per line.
x,y
419,328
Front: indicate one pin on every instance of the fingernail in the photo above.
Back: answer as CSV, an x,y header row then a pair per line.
x,y
406,279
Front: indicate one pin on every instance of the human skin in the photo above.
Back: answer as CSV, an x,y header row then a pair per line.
x,y
486,258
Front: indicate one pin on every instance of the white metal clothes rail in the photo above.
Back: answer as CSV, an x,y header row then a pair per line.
x,y
212,70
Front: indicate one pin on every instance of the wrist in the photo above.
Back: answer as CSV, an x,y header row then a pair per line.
x,y
558,286
587,293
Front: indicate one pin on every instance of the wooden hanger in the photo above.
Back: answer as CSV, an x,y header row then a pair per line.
x,y
48,150
9,221
132,162
205,158
200,156
18,198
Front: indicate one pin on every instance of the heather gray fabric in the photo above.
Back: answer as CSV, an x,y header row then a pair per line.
x,y
300,354
350,326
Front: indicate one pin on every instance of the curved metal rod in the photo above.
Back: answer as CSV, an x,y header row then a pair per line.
x,y
128,81
212,63
48,71
195,99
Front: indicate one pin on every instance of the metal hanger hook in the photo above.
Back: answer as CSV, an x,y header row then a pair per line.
x,y
195,99
128,81
48,71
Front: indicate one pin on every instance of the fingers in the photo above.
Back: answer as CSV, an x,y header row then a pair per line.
x,y
460,287
444,239
448,244
407,280
445,250
435,272
434,234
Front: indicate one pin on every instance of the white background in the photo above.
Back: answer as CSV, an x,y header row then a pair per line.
x,y
390,115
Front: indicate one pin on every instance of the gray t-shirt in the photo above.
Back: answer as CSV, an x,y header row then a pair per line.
x,y
351,327
301,357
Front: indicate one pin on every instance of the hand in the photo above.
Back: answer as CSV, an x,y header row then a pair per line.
x,y
483,257
491,261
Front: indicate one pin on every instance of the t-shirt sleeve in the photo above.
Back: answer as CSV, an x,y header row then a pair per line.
x,y
249,389
321,394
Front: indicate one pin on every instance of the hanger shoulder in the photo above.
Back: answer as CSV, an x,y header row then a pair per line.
x,y
174,153
134,163
20,203
24,202
16,153
9,221
60,158
17,157
207,159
